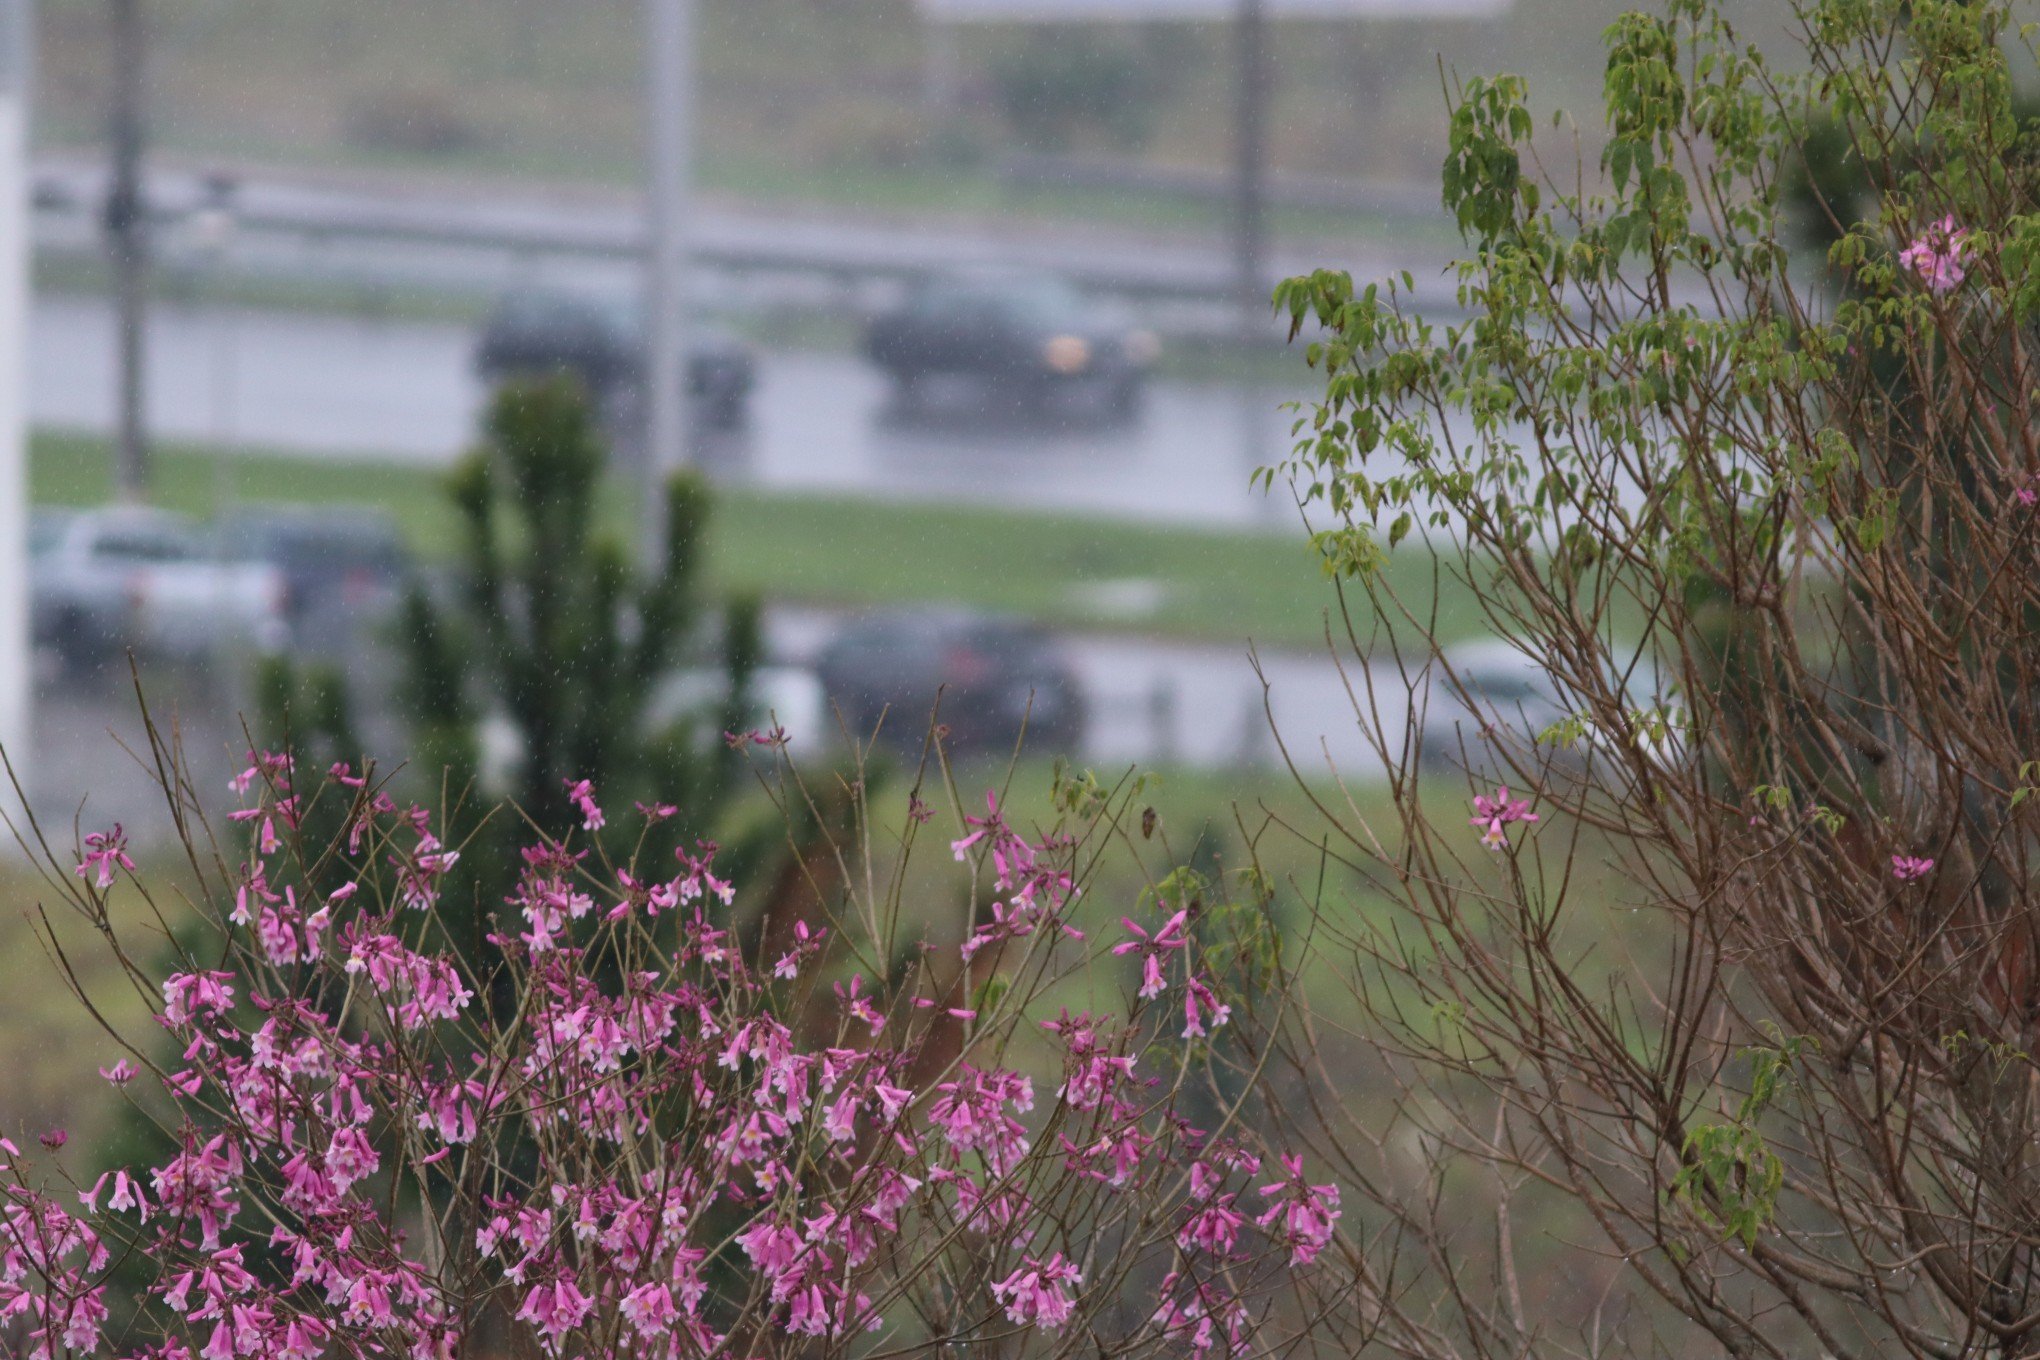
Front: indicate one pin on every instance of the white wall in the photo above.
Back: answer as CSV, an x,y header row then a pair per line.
x,y
15,655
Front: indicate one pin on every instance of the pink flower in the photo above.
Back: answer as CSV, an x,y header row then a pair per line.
x,y
188,996
859,1005
1494,814
1092,1068
1038,1294
1213,1229
582,793
1302,1214
1937,256
648,1309
1907,867
555,1309
120,1074
103,850
970,1113
1199,1000
127,1194
1152,949
776,1252
350,1157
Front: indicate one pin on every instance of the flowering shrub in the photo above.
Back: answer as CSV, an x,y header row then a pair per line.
x,y
614,1132
1748,1015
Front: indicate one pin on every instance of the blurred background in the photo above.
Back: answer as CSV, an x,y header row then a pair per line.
x,y
957,309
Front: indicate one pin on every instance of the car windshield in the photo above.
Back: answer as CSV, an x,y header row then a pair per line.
x,y
1046,302
551,311
337,546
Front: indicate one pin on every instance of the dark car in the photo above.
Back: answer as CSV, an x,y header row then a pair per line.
x,y
343,567
602,343
992,674
1031,335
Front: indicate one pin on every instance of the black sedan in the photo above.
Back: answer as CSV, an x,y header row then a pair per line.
x,y
992,674
602,343
1029,335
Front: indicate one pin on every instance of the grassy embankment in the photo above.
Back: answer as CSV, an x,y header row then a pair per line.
x,y
1203,584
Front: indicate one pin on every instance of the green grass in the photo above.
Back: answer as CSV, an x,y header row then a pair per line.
x,y
1215,585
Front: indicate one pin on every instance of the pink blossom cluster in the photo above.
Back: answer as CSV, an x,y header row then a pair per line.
x,y
1905,868
1938,256
1034,887
619,1132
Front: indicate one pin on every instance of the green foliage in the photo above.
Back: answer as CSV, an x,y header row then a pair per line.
x,y
1728,1176
555,630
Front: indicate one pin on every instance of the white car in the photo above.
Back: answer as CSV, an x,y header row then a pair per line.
x,y
1493,700
102,581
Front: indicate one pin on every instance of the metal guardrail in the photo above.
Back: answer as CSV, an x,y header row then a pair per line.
x,y
846,256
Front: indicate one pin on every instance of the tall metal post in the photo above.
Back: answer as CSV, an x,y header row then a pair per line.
x,y
15,651
127,231
1250,167
669,145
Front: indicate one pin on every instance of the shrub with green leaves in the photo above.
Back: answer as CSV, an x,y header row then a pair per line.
x,y
1802,484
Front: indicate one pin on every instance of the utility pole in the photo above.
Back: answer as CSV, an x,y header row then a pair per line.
x,y
15,651
669,142
1250,167
127,230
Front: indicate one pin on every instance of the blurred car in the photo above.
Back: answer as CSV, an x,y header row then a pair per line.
x,y
343,567
1033,334
1492,700
992,673
603,343
126,576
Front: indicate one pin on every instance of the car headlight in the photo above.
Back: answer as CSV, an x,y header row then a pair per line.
x,y
1143,347
1067,353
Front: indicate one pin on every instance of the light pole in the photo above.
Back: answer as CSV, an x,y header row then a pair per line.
x,y
127,231
213,228
669,143
1250,167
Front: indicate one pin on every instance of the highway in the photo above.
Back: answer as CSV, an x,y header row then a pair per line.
x,y
322,385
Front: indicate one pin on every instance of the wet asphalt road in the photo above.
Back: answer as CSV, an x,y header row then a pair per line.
x,y
323,385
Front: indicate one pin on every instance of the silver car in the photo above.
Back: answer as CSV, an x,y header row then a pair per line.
x,y
106,580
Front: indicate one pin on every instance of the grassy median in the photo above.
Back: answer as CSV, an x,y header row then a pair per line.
x,y
1070,570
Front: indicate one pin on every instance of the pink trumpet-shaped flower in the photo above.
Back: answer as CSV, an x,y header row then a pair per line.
x,y
1038,1293
1938,255
104,850
1494,814
1152,949
1301,1214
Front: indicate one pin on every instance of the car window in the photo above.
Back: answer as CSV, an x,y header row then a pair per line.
x,y
1047,302
1505,689
143,543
